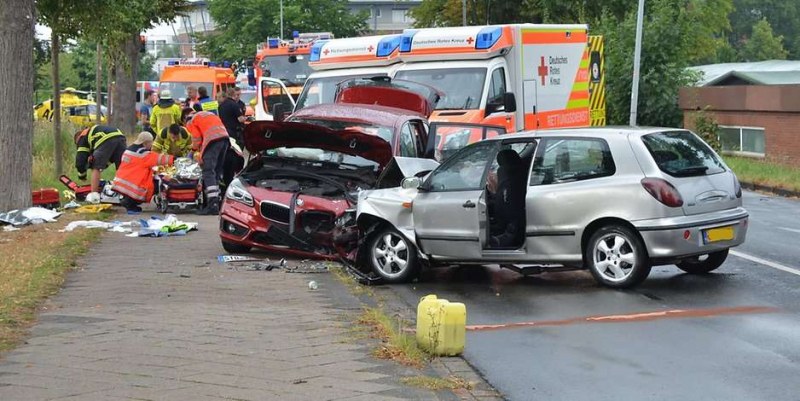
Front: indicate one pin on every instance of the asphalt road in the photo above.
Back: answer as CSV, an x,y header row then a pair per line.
x,y
730,335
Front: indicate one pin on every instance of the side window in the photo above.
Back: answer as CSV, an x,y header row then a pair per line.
x,y
420,133
407,148
464,171
561,160
497,87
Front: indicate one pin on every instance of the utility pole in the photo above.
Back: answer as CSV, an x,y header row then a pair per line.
x,y
463,12
97,84
637,56
281,35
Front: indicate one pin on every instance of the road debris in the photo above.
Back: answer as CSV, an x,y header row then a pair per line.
x,y
312,285
31,215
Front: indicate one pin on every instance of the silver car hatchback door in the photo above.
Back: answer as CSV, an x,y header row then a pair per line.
x,y
691,166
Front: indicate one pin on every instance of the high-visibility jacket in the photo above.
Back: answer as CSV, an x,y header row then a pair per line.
x,y
134,178
207,104
166,144
206,127
165,114
89,140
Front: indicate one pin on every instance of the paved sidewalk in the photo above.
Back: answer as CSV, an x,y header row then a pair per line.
x,y
160,319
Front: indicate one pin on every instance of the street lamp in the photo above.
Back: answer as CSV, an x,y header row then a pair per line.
x,y
637,55
463,12
281,35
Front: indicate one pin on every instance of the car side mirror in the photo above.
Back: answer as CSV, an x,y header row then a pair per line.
x,y
411,183
509,102
278,112
492,108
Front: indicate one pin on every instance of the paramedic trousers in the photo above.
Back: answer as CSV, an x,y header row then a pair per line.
x,y
213,163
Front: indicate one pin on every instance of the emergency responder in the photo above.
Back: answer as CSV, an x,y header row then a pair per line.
x,y
210,138
191,97
231,112
134,179
173,140
98,146
205,102
165,113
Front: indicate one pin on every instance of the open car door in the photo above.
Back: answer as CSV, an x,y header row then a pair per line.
x,y
445,138
271,93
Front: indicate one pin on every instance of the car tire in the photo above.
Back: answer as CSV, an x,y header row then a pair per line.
x,y
616,257
230,247
392,256
703,264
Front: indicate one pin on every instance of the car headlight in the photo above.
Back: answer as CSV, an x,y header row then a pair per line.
x,y
237,192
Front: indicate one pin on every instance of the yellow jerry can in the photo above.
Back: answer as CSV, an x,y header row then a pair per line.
x,y
441,325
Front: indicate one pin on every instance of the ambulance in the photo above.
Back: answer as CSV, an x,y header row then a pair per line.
x,y
178,75
287,60
333,61
520,76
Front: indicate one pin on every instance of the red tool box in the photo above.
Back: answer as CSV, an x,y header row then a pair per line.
x,y
46,197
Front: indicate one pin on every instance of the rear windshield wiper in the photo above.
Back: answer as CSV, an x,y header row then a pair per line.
x,y
690,171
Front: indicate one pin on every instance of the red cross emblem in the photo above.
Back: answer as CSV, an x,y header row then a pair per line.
x,y
470,40
326,51
370,48
543,71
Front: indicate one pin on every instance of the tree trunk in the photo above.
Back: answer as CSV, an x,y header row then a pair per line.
x,y
58,145
110,90
125,88
98,83
16,97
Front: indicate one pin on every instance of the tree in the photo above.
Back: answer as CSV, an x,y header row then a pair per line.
x,y
242,25
763,44
436,13
17,19
783,16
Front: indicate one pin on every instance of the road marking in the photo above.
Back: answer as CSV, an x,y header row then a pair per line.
x,y
794,230
765,262
631,317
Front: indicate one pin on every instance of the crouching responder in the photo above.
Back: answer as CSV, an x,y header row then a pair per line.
x,y
173,140
134,179
98,146
210,138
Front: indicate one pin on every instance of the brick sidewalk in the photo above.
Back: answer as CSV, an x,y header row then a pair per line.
x,y
160,319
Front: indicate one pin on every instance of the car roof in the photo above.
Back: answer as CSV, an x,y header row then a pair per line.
x,y
607,131
379,115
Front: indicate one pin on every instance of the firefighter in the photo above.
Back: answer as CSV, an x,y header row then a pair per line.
x,y
173,140
210,139
205,102
165,113
98,146
134,179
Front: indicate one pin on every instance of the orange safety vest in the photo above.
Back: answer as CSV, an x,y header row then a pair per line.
x,y
205,127
135,175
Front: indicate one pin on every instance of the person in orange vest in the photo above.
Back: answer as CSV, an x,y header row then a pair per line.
x,y
210,138
134,179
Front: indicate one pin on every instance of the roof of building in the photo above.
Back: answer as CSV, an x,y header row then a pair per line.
x,y
770,72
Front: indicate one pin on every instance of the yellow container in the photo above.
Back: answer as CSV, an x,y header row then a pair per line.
x,y
441,325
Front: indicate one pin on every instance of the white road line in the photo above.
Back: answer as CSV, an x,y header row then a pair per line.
x,y
765,262
794,230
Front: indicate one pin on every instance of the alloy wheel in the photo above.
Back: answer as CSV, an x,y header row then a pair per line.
x,y
390,254
614,257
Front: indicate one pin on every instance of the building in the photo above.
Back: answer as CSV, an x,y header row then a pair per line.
x,y
757,106
386,16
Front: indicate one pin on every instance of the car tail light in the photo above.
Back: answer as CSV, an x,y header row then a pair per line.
x,y
737,186
663,191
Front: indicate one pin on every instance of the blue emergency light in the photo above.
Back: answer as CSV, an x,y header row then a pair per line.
x,y
295,34
274,43
226,64
487,37
212,64
388,45
172,62
407,39
316,50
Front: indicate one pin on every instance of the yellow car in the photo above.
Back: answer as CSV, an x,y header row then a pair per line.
x,y
79,111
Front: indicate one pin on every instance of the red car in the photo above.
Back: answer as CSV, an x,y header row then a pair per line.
x,y
294,196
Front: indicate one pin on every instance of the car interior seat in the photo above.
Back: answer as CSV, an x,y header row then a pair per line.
x,y
509,201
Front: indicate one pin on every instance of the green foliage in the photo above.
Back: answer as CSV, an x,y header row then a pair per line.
x,y
243,24
758,171
706,126
763,44
783,15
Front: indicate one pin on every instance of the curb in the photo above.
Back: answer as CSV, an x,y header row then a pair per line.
x,y
769,189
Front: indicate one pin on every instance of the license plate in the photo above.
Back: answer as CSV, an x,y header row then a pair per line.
x,y
718,234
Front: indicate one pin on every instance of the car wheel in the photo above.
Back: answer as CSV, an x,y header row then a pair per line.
x,y
392,256
230,247
616,257
703,263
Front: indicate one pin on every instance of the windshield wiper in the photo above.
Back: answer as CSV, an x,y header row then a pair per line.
x,y
690,171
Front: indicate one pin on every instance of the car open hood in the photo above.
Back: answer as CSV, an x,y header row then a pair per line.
x,y
411,96
264,135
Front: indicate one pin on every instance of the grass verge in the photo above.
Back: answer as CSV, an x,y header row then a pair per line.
x,y
36,260
395,343
437,383
761,172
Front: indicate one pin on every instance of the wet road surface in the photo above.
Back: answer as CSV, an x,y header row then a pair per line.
x,y
730,335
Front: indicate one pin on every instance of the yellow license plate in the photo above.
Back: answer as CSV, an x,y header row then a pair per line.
x,y
718,234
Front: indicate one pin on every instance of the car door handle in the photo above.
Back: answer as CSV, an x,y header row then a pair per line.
x,y
468,204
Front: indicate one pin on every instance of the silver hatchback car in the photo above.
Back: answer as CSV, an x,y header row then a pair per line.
x,y
614,200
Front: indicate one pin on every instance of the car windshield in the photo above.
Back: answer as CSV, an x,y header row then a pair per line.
x,y
322,90
292,70
178,89
247,96
379,130
320,155
451,82
682,154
